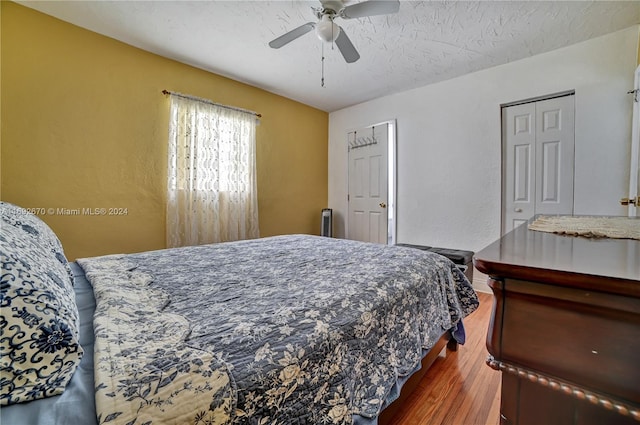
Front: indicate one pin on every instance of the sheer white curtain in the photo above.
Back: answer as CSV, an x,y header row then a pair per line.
x,y
212,193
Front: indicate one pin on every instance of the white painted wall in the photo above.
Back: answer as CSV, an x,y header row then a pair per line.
x,y
449,140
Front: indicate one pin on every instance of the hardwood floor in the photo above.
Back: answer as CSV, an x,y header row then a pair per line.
x,y
459,388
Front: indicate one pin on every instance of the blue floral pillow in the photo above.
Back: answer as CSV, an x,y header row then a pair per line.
x,y
19,217
39,348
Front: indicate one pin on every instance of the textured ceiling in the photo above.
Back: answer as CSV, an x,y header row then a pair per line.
x,y
425,42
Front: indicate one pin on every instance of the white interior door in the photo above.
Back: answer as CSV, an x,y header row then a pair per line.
x,y
555,144
519,136
368,192
538,160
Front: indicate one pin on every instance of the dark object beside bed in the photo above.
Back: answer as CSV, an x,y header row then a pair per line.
x,y
464,259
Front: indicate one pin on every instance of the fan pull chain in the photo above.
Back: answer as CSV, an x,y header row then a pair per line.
x,y
322,79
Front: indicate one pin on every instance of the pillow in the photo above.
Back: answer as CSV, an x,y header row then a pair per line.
x,y
19,217
39,348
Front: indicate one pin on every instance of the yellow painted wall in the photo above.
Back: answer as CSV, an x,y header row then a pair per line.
x,y
84,125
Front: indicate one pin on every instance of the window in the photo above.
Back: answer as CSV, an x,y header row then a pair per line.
x,y
212,194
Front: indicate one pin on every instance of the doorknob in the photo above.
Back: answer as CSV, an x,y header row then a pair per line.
x,y
517,209
383,205
632,201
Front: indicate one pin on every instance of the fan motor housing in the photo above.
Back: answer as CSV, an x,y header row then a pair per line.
x,y
332,6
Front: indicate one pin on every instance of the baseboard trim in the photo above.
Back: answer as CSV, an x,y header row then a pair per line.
x,y
480,282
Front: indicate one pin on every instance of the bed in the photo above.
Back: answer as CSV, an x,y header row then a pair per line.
x,y
289,329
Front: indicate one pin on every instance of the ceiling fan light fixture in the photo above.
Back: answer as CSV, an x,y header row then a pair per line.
x,y
327,30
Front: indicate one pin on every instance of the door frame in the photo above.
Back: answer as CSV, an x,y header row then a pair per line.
x,y
634,166
391,180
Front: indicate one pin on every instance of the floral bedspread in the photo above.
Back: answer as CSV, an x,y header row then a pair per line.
x,y
281,330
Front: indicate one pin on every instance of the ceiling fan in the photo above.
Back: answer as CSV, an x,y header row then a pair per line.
x,y
329,31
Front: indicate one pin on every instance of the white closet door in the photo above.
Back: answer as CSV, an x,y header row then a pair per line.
x,y
519,172
555,143
538,160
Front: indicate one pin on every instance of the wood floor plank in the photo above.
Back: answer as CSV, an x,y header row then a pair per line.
x,y
459,388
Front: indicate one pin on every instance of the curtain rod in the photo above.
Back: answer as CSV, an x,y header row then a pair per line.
x,y
186,96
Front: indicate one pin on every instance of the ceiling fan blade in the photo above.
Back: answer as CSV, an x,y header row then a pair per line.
x,y
292,35
346,47
370,8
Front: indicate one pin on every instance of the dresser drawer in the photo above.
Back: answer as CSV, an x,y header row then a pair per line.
x,y
589,338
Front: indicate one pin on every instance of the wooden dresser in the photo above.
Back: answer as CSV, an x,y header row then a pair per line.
x,y
565,327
